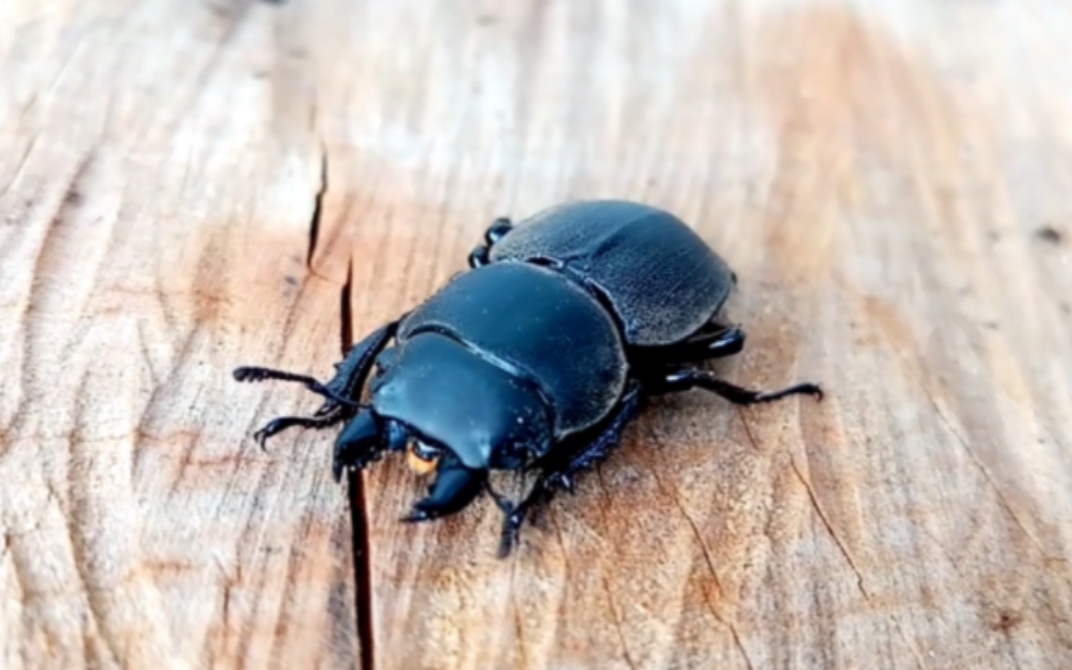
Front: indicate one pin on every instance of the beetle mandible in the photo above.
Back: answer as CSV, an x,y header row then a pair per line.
x,y
536,358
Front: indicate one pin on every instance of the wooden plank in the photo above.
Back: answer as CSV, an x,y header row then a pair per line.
x,y
185,188
156,208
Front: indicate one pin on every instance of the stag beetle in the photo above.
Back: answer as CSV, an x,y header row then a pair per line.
x,y
537,357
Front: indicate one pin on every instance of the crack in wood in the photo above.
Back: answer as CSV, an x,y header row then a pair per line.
x,y
318,209
672,494
359,522
1003,502
618,624
359,516
20,165
519,627
842,549
79,523
346,326
604,506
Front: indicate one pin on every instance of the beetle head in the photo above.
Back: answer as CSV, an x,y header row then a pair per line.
x,y
368,435
453,412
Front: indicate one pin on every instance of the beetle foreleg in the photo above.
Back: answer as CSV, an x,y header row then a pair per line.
x,y
280,424
353,371
683,380
560,475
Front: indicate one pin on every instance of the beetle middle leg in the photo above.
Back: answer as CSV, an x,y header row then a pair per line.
x,y
560,474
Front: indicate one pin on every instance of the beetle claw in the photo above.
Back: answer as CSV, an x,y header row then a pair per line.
x,y
563,480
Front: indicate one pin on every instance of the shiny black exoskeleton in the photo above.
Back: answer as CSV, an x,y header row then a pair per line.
x,y
537,357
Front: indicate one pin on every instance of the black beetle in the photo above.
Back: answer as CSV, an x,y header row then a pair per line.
x,y
536,357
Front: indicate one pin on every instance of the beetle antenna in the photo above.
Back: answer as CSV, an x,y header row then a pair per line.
x,y
254,374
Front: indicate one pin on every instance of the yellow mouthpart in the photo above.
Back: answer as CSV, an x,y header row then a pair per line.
x,y
421,460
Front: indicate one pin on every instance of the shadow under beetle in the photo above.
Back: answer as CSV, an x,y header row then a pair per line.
x,y
537,357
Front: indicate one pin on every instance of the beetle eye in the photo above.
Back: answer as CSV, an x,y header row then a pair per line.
x,y
421,458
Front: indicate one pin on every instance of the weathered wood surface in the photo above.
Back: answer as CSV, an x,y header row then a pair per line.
x,y
188,186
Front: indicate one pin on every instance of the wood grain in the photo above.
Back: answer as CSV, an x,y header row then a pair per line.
x,y
186,187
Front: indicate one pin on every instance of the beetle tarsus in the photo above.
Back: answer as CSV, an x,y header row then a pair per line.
x,y
511,531
478,256
497,230
350,374
683,380
481,254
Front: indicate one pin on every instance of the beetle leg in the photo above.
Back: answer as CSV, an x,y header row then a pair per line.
x,y
683,380
353,371
727,341
714,340
279,424
455,486
494,233
560,475
479,256
497,230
